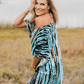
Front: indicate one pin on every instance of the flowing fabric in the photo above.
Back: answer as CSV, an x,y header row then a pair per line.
x,y
45,45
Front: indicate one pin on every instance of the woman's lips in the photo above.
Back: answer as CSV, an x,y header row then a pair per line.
x,y
38,10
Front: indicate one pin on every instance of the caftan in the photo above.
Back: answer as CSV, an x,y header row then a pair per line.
x,y
45,45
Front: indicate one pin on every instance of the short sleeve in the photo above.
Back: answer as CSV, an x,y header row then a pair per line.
x,y
28,28
41,43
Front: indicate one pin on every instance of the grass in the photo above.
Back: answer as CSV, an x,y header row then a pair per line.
x,y
16,57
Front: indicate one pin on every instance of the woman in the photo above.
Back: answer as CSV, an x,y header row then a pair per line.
x,y
44,42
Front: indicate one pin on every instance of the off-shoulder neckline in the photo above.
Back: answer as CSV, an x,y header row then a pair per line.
x,y
42,26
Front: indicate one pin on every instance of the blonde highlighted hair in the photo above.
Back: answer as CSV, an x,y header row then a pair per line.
x,y
52,10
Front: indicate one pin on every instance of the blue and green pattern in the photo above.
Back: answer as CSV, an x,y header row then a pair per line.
x,y
45,45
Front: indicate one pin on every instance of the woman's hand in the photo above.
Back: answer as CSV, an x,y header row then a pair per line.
x,y
19,22
35,62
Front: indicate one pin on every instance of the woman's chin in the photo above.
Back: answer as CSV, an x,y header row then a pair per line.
x,y
39,14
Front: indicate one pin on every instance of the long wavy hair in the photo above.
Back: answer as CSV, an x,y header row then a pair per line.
x,y
52,10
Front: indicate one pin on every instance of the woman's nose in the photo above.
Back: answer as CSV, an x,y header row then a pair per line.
x,y
38,6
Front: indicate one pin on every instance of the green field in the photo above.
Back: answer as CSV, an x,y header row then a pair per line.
x,y
16,57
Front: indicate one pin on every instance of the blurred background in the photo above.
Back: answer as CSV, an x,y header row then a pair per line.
x,y
70,11
15,46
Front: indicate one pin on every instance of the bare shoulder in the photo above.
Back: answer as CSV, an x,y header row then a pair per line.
x,y
43,20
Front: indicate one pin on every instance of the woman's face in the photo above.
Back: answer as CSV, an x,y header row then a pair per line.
x,y
41,7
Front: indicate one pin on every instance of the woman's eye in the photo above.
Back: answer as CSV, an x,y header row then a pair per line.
x,y
36,3
42,4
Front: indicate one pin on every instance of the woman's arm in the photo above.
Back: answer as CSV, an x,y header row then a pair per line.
x,y
19,22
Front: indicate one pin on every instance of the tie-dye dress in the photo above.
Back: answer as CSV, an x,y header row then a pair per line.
x,y
45,45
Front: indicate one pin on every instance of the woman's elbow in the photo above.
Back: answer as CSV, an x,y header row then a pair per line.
x,y
13,24
21,25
